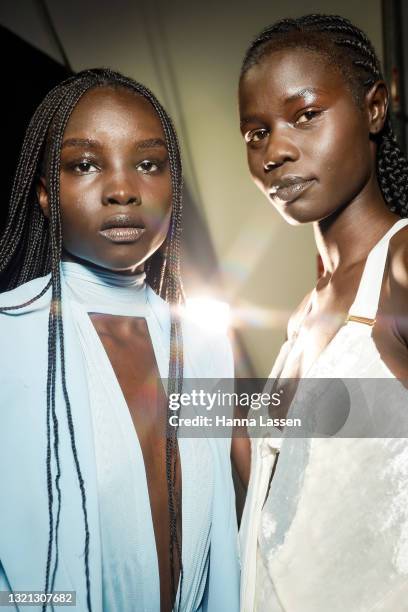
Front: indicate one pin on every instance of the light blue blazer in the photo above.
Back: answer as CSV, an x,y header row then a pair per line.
x,y
24,521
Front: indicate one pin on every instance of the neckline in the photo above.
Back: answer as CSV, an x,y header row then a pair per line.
x,y
99,276
383,241
105,291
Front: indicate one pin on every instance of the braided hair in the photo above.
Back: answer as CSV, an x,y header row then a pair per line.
x,y
31,247
350,51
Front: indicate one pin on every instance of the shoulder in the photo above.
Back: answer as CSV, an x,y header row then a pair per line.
x,y
398,280
398,257
22,331
24,293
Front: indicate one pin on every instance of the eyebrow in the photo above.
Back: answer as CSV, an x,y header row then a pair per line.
x,y
248,119
302,93
150,143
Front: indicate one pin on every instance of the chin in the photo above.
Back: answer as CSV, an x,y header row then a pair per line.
x,y
302,213
123,264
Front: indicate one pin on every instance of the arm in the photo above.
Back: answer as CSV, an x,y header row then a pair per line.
x,y
241,458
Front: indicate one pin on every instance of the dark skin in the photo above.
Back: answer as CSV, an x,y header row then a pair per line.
x,y
114,160
300,118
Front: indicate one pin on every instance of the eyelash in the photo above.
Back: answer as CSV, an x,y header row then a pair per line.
x,y
76,166
249,136
314,114
158,165
152,162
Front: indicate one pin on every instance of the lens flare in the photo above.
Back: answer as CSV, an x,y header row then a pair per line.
x,y
208,313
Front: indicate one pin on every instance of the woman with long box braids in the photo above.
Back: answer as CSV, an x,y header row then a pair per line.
x,y
99,493
325,526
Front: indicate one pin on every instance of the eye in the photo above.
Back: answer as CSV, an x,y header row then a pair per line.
x,y
84,167
307,116
255,135
147,166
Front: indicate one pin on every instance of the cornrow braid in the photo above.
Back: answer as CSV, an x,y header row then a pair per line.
x,y
31,247
354,55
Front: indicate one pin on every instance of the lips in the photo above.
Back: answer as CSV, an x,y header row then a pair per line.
x,y
290,188
122,228
123,234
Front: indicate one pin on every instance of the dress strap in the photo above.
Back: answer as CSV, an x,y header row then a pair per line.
x,y
365,306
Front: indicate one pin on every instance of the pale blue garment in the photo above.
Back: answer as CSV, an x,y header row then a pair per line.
x,y
24,517
129,559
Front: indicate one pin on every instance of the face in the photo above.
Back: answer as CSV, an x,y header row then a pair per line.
x,y
308,143
115,190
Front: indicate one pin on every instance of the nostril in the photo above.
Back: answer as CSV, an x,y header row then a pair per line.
x,y
123,200
111,200
270,166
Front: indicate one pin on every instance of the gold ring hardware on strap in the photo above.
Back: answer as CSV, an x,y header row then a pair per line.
x,y
364,320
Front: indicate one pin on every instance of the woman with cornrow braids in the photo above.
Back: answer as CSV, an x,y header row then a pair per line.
x,y
325,527
100,493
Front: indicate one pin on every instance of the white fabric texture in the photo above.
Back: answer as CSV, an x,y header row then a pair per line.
x,y
332,534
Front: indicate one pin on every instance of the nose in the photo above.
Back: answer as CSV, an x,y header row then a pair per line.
x,y
280,149
121,190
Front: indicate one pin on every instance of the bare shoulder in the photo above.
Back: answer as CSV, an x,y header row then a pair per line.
x,y
298,315
398,281
398,258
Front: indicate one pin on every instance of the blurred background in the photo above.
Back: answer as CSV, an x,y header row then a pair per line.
x,y
237,250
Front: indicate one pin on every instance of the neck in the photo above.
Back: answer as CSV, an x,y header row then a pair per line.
x,y
98,279
133,270
346,237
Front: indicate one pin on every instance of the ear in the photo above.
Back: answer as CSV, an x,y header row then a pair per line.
x,y
377,105
42,196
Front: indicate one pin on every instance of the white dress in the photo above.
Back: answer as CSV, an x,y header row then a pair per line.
x,y
332,533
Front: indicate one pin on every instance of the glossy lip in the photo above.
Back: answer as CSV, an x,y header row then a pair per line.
x,y
290,188
122,228
123,234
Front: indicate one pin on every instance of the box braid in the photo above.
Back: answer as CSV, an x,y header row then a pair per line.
x,y
350,50
31,247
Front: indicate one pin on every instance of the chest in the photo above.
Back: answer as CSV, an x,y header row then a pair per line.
x,y
313,330
129,348
317,329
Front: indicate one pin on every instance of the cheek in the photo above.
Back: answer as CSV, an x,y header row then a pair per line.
x,y
157,209
342,151
78,205
255,165
159,193
76,217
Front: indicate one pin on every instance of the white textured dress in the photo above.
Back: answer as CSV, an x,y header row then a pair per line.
x,y
332,533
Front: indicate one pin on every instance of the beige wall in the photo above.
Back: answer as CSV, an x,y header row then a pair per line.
x,y
190,54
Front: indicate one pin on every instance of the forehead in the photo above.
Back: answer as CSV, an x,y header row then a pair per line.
x,y
105,109
285,72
